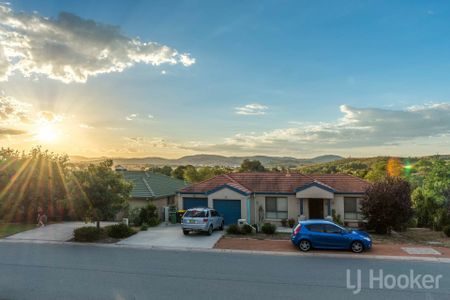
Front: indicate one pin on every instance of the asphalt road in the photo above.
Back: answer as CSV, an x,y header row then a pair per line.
x,y
45,271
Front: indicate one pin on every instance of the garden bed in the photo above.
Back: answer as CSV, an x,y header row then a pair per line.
x,y
418,236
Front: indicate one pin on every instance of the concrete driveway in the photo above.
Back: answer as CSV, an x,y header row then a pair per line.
x,y
171,236
60,232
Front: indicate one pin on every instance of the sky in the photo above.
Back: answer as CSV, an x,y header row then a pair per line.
x,y
174,78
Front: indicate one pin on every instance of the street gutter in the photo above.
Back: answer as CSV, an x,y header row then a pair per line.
x,y
297,254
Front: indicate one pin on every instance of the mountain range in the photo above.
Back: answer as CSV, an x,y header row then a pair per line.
x,y
212,160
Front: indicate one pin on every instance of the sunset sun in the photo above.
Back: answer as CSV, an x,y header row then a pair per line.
x,y
46,134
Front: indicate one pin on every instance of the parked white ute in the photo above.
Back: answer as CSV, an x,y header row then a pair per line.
x,y
201,219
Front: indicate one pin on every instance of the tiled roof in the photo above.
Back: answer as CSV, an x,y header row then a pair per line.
x,y
152,185
265,182
343,183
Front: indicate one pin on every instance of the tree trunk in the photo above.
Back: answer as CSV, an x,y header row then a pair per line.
x,y
98,224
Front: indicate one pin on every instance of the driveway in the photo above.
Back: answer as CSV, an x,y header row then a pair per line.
x,y
171,236
60,232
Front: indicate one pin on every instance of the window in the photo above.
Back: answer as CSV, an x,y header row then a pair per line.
x,y
332,229
351,209
276,207
196,214
315,227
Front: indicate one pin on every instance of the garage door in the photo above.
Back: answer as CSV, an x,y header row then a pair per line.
x,y
194,202
230,209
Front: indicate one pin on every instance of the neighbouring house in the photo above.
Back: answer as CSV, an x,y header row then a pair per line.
x,y
271,197
150,187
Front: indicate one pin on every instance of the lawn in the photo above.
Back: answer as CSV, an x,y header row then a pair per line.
x,y
7,229
421,236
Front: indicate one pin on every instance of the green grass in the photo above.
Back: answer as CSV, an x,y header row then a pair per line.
x,y
8,229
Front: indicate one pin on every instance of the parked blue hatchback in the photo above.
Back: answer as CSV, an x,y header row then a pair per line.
x,y
324,234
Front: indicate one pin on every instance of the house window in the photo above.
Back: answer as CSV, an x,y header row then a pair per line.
x,y
276,207
351,209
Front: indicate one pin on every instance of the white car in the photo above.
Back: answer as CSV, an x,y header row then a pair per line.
x,y
201,219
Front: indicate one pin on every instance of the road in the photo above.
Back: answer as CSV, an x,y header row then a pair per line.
x,y
46,271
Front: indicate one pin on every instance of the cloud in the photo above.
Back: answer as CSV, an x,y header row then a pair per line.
x,y
131,117
72,49
251,109
358,127
13,111
151,116
10,131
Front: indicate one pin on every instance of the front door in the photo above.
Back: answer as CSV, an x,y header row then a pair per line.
x,y
315,208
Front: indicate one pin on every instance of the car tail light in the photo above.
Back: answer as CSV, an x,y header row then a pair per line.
x,y
205,220
297,229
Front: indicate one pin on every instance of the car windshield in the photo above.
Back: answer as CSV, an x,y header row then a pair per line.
x,y
196,214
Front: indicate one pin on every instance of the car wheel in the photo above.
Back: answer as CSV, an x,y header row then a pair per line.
x,y
210,230
304,245
221,226
186,232
357,247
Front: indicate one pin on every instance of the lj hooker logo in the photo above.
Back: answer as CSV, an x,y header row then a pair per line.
x,y
379,280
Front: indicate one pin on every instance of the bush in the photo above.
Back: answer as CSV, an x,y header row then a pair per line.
x,y
246,229
447,230
145,215
134,216
336,217
268,228
284,222
119,231
387,204
233,229
292,222
144,227
89,234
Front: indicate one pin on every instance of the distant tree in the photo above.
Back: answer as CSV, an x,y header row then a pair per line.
x,y
387,204
178,172
377,172
394,167
252,166
98,192
166,170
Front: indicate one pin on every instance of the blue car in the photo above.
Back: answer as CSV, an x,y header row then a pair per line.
x,y
324,234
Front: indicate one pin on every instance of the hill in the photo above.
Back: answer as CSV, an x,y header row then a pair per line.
x,y
213,160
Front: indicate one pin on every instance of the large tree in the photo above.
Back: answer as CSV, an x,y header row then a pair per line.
x,y
252,166
32,181
387,204
98,192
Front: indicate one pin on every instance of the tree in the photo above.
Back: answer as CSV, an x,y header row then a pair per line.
x,y
30,182
432,198
387,204
98,192
252,166
178,172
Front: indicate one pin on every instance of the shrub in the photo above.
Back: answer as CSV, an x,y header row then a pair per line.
x,y
119,231
89,234
336,217
134,216
447,230
145,215
387,204
144,227
284,222
268,228
292,222
246,229
233,229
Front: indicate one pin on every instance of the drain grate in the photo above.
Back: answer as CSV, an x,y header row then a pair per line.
x,y
422,250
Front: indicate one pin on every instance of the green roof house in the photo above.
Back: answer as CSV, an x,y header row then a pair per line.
x,y
150,187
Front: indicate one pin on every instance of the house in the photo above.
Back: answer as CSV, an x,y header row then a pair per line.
x,y
271,197
150,187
